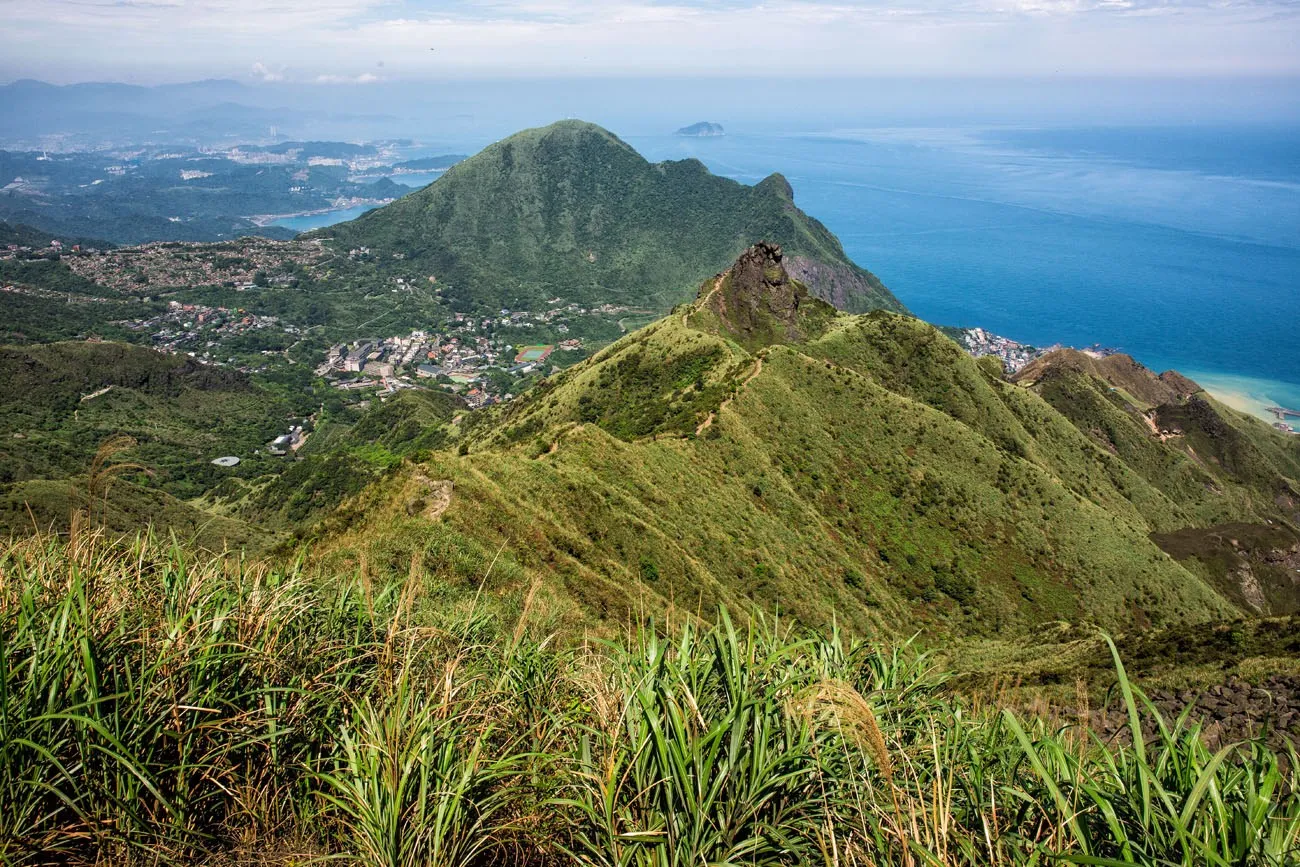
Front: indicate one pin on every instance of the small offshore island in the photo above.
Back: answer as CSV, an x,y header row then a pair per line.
x,y
703,129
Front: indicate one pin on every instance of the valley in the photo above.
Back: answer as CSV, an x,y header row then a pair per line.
x,y
185,193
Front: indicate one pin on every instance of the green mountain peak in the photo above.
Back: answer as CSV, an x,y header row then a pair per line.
x,y
572,211
759,449
776,183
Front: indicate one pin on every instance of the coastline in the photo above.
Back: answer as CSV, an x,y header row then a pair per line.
x,y
1251,395
273,219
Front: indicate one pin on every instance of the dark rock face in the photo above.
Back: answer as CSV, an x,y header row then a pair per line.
x,y
835,284
1207,419
1232,711
756,300
1255,565
760,284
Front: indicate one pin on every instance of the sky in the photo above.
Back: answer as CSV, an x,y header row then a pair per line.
x,y
350,42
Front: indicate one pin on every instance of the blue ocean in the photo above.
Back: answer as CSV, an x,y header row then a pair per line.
x,y
1180,246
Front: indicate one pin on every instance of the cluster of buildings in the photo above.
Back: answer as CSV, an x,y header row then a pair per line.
x,y
230,263
463,357
188,327
1013,355
1282,414
379,158
56,249
389,361
530,319
289,442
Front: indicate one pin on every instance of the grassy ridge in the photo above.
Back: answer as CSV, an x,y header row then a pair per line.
x,y
161,708
759,450
826,478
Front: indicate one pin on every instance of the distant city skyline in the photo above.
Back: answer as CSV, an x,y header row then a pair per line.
x,y
335,42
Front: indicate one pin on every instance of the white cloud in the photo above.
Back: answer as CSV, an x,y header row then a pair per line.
x,y
263,73
363,78
337,41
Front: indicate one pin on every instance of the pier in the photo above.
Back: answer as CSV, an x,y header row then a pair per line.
x,y
1283,413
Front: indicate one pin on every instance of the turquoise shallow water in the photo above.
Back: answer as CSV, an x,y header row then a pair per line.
x,y
307,222
1180,246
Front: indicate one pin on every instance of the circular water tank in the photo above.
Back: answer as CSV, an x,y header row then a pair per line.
x,y
228,461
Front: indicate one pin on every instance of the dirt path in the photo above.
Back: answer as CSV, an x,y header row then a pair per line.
x,y
717,284
704,425
434,498
1150,419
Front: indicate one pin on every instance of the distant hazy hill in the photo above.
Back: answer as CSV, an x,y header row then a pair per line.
x,y
571,211
703,129
182,196
761,449
28,236
91,113
308,149
427,164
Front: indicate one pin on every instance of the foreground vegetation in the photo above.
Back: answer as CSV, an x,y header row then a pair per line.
x,y
161,707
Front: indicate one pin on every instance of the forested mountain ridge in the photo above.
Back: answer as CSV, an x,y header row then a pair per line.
x,y
571,211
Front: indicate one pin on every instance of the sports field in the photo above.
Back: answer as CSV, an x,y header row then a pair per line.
x,y
533,353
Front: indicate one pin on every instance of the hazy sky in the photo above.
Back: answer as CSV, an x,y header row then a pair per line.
x,y
335,41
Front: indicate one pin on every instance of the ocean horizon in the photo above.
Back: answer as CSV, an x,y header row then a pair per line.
x,y
1177,245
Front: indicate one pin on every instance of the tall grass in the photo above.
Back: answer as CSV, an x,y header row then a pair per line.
x,y
165,708
701,762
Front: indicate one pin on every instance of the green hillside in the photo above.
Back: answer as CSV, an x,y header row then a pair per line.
x,y
26,236
1234,477
343,456
63,401
758,449
571,211
164,418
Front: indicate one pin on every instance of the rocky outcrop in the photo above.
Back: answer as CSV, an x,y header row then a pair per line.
x,y
1228,712
837,284
756,302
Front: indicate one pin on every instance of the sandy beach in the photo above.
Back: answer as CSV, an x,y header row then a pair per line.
x,y
1249,394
